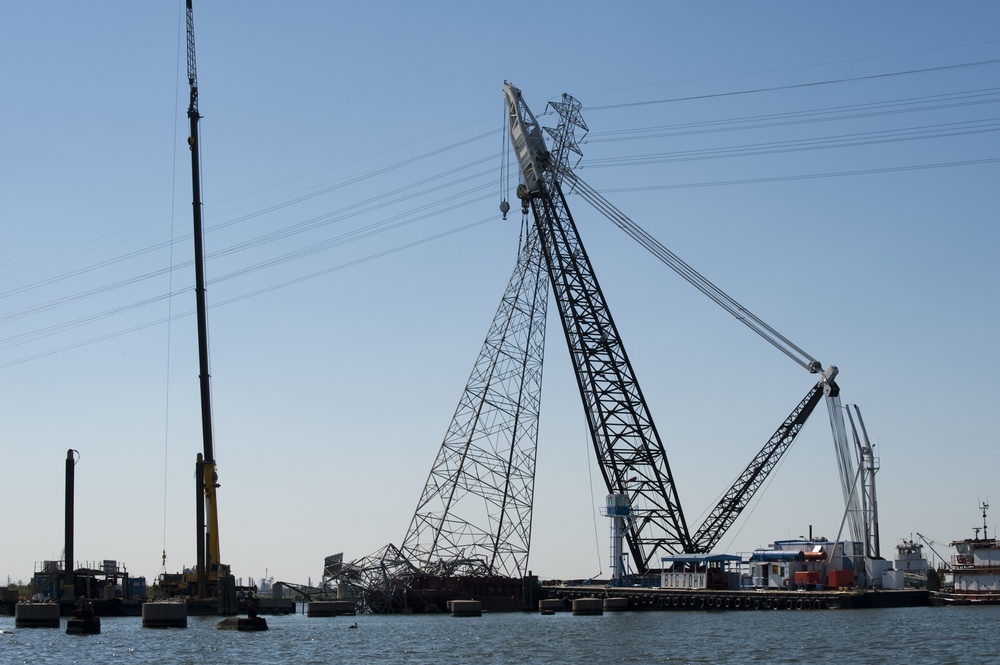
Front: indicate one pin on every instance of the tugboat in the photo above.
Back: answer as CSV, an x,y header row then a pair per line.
x,y
911,561
975,570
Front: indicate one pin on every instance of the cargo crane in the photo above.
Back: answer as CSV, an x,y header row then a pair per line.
x,y
210,566
738,496
204,583
471,529
631,456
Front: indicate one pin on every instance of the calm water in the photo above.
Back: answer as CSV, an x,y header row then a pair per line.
x,y
912,636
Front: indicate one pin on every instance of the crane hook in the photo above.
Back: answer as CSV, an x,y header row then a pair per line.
x,y
525,196
504,207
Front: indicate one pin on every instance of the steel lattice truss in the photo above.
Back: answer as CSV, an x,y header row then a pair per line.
x,y
474,515
375,581
735,500
628,447
632,458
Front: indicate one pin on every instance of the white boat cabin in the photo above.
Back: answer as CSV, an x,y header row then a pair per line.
x,y
976,566
910,558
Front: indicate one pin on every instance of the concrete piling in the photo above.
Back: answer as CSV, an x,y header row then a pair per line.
x,y
588,607
164,615
36,615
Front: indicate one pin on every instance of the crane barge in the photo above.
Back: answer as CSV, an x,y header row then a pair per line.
x,y
472,521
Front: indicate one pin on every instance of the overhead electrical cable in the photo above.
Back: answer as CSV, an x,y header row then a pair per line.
x,y
403,219
407,192
790,118
244,296
308,225
794,86
799,145
400,220
352,181
803,176
355,209
370,257
256,213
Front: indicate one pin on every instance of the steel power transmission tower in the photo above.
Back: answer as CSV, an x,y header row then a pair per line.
x,y
632,459
474,515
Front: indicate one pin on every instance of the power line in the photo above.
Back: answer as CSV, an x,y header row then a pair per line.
x,y
466,174
273,287
808,116
856,139
347,212
794,86
257,213
805,176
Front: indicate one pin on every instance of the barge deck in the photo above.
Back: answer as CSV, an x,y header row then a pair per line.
x,y
743,599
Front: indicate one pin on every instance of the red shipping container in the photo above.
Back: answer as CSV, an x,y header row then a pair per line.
x,y
807,577
838,578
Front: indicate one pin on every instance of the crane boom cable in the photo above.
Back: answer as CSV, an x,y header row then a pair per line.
x,y
170,307
692,276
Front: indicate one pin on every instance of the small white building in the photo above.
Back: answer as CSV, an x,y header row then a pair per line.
x,y
700,571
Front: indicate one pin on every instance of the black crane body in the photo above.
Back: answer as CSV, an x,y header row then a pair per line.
x,y
631,455
208,559
473,518
629,450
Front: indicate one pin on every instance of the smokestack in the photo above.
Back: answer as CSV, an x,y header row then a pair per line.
x,y
70,489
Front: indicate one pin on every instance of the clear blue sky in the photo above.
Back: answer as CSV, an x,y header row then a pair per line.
x,y
847,195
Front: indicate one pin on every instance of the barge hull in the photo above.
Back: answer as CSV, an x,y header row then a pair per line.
x,y
742,600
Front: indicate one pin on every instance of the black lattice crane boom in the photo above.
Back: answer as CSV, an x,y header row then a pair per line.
x,y
739,494
601,363
631,455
